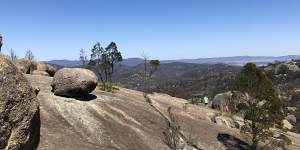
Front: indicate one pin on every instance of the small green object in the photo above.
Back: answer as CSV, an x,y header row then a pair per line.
x,y
206,100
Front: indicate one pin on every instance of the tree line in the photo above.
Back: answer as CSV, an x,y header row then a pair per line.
x,y
103,61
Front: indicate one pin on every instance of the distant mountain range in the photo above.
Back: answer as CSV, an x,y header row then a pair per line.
x,y
235,60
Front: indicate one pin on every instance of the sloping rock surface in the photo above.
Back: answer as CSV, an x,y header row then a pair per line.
x,y
121,120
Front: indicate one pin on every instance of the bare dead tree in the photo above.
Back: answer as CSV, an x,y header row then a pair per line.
x,y
1,41
12,55
83,57
29,55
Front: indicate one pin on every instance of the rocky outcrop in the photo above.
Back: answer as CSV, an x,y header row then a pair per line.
x,y
19,110
74,82
283,68
35,67
103,121
227,102
25,66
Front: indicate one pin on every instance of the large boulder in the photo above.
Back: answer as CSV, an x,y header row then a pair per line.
x,y
50,70
221,101
73,82
228,101
19,110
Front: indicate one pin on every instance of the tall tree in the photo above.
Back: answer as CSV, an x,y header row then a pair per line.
x,y
1,41
104,61
114,56
145,74
83,57
150,67
261,107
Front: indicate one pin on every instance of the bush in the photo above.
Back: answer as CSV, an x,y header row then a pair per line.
x,y
108,88
283,69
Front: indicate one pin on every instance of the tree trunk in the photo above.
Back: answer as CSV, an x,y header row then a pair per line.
x,y
254,145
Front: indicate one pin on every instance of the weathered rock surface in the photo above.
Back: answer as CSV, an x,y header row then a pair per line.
x,y
290,66
25,66
35,67
122,120
287,124
19,110
292,119
227,121
231,122
37,72
73,82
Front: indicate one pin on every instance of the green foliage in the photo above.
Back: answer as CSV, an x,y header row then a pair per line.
x,y
108,88
104,60
147,75
285,139
283,69
261,106
154,66
155,62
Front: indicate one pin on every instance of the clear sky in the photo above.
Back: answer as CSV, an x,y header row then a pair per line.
x,y
164,29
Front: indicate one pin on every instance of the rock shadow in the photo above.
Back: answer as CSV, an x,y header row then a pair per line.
x,y
231,142
34,136
88,97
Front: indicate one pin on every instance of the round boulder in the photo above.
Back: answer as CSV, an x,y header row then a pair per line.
x,y
221,100
19,109
73,82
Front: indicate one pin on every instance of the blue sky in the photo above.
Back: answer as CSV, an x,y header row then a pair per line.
x,y
164,29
